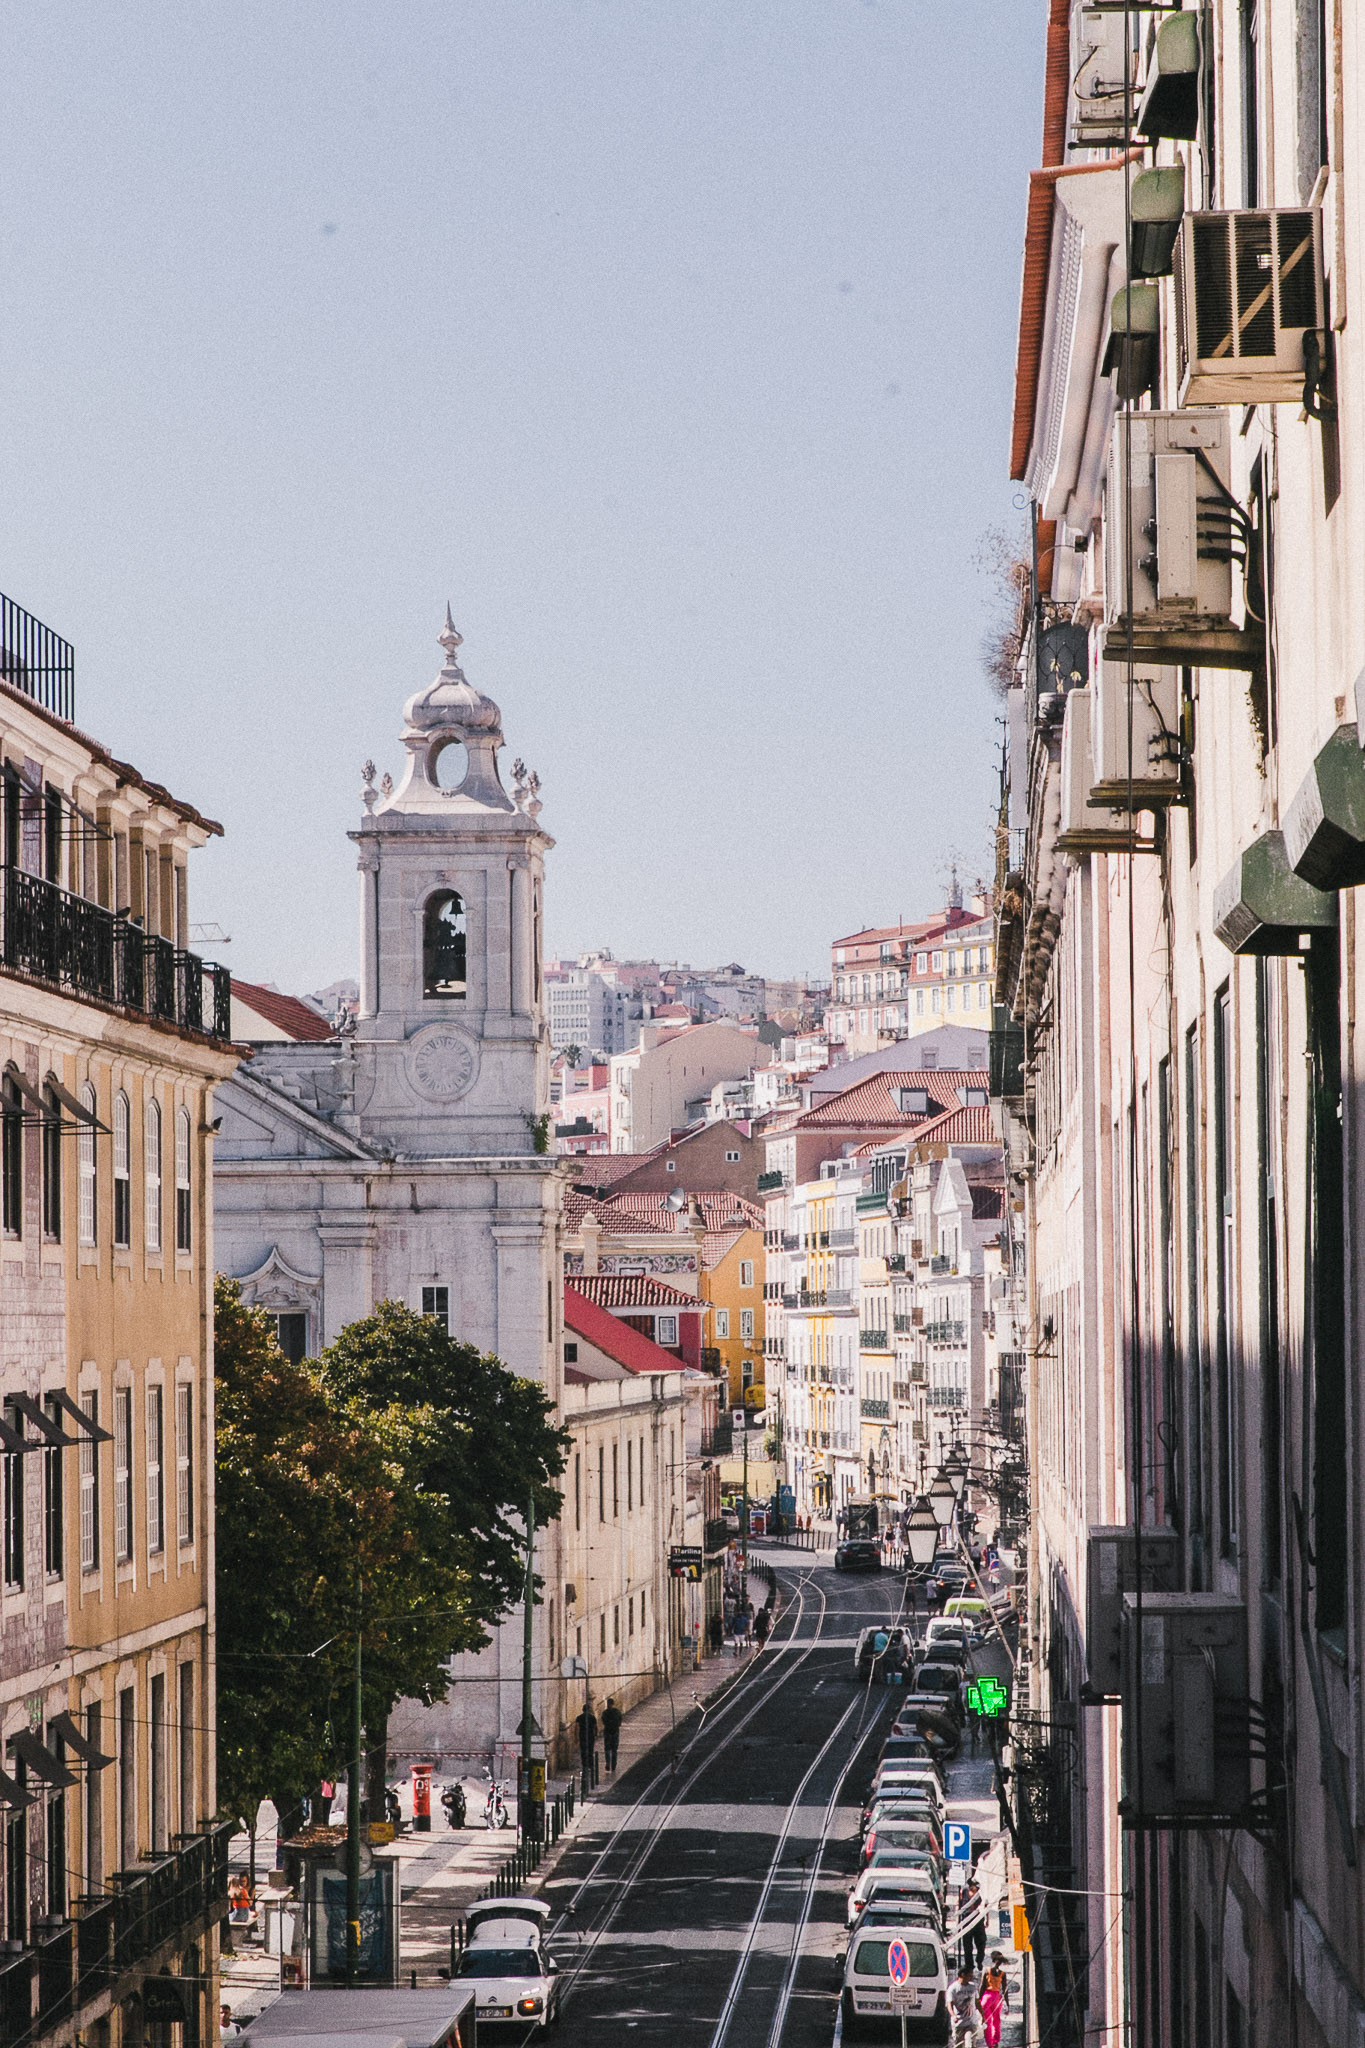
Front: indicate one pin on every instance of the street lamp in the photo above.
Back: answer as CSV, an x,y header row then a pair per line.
x,y
957,1467
943,1498
921,1532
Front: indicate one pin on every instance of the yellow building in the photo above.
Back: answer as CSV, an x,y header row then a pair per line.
x,y
732,1281
112,1036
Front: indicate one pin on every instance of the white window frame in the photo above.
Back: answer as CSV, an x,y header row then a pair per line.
x,y
86,1213
184,1463
155,1420
123,1474
90,1488
746,1323
665,1330
722,1322
746,1272
182,1181
436,1304
151,1167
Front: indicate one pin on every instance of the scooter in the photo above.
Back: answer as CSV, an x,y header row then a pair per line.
x,y
453,1800
495,1805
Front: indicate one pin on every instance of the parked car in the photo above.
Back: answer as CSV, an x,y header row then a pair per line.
x,y
865,1996
917,1884
943,1679
874,1643
947,1628
856,1554
505,1956
888,1832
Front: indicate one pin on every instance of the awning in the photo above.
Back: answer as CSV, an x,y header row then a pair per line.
x,y
13,1794
14,1442
49,1768
75,1107
64,1725
51,1432
87,1425
1262,906
1324,827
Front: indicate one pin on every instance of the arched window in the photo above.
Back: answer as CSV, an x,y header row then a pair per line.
x,y
443,948
52,1166
123,1178
182,1180
12,1155
86,1215
152,1168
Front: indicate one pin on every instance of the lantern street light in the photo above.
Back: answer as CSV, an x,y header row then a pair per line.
x,y
943,1498
921,1532
956,1466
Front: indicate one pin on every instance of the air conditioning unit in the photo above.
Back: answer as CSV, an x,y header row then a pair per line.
x,y
1150,774
1111,1570
1248,288
1083,830
1101,74
1186,1711
1169,521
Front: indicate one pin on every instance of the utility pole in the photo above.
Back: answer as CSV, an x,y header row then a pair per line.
x,y
353,1826
527,1803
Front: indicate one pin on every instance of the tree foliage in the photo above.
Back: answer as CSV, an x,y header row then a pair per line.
x,y
372,1488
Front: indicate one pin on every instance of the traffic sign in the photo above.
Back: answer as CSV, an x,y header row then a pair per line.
x,y
988,1697
898,1962
957,1841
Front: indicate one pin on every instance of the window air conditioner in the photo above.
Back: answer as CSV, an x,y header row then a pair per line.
x,y
1101,69
1169,521
1152,771
1111,1570
1186,1711
1083,830
1248,289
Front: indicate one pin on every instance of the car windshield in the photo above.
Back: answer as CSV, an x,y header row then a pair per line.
x,y
869,1958
499,1962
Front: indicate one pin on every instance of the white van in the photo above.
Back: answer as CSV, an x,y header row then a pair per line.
x,y
866,1996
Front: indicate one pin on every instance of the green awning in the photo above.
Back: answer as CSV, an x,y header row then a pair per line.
x,y
1324,827
1262,906
1170,100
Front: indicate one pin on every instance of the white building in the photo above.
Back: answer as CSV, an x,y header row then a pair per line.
x,y
401,1162
586,1008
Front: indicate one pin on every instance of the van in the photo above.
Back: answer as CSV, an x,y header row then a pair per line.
x,y
865,1998
964,1607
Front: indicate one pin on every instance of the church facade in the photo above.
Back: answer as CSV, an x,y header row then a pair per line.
x,y
404,1161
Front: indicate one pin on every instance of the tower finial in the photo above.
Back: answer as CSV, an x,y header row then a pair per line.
x,y
450,639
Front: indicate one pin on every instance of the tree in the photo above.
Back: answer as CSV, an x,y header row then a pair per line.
x,y
324,1524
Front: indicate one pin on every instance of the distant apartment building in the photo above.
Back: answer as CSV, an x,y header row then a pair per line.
x,y
112,1038
666,1081
587,1008
583,1113
896,981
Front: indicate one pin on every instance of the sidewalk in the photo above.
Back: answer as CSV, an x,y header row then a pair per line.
x,y
445,1871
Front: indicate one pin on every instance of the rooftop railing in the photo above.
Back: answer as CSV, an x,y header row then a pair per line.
x,y
36,660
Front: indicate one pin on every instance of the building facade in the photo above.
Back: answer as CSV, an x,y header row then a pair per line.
x,y
113,1037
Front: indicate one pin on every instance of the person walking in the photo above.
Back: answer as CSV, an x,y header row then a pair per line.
x,y
586,1725
972,1906
762,1622
611,1732
994,1999
963,2008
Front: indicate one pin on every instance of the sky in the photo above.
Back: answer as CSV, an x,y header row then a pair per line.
x,y
672,341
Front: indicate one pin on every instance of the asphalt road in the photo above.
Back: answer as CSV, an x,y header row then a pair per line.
x,y
705,1902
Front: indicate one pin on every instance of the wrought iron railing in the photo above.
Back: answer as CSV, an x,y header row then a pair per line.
x,y
36,660
877,1411
65,939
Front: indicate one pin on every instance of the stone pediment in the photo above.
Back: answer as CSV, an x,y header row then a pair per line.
x,y
261,1121
277,1285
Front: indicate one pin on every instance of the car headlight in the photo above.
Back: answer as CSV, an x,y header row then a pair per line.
x,y
529,2005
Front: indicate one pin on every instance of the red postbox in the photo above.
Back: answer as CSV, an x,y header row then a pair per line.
x,y
421,1798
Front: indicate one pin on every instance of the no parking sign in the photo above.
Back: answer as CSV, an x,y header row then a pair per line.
x,y
904,1997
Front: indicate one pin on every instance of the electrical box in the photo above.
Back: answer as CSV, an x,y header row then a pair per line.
x,y
1111,1570
1101,74
1169,526
1248,288
1186,1711
1148,774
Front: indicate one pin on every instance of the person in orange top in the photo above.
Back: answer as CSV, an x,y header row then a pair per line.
x,y
994,1998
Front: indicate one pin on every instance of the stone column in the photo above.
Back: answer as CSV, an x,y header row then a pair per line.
x,y
368,864
521,940
347,1270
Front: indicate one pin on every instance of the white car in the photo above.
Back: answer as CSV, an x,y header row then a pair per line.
x,y
914,1885
505,1958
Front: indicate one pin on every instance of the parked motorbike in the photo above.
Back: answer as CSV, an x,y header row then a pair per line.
x,y
495,1804
453,1800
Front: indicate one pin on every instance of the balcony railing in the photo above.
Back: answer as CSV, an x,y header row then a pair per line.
x,y
947,1397
901,1323
36,660
895,1262
946,1332
872,1340
838,1297
876,1411
843,1240
769,1183
717,1535
78,945
791,1240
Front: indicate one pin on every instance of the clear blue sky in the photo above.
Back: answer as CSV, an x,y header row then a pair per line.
x,y
672,340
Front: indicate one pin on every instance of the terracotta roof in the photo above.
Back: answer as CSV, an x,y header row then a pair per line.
x,y
579,1205
291,1016
611,1336
633,1290
874,1103
957,1127
628,1214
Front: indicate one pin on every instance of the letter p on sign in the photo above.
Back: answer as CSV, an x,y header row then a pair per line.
x,y
957,1842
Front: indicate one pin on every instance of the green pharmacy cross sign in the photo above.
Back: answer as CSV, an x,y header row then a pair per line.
x,y
988,1697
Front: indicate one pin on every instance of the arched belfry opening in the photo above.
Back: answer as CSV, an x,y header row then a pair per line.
x,y
444,948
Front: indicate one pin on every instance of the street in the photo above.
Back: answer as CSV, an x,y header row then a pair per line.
x,y
705,1900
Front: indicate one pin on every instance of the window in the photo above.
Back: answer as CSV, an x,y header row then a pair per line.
x,y
16,1863
151,1159
182,1180
187,1799
291,1334
666,1330
184,1463
601,1485
436,1304
630,1615
1225,1418
157,1757
602,1632
54,1507
12,1158
746,1272
578,1490
94,1803
12,1508
669,1166
919,1002
52,1167
938,963
722,1322
123,1182
630,1475
732,1159
123,1474
746,1322
127,1778
642,1613
156,1499
570,1354
444,948
616,1628
615,1481
642,1471
90,1489
86,1214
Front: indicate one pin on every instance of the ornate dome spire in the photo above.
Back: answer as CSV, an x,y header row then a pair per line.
x,y
451,703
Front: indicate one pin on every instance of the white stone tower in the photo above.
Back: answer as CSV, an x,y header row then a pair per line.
x,y
452,873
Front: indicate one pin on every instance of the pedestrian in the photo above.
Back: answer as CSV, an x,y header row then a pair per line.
x,y
995,1998
323,1803
762,1623
963,2007
586,1725
972,1906
611,1732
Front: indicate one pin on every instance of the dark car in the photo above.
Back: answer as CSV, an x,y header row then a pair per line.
x,y
857,1555
943,1679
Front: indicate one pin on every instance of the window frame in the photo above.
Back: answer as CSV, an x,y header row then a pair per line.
x,y
154,1416
152,1164
123,1170
11,1159
184,1210
87,1185
125,1517
184,1464
51,1136
88,1486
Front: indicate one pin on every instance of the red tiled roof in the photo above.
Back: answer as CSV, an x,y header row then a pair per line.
x,y
629,1214
633,1290
613,1337
287,1012
957,1127
874,1103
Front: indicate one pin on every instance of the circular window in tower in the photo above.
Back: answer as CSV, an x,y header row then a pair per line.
x,y
443,948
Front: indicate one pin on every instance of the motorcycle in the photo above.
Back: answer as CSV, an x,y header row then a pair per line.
x,y
453,1800
495,1804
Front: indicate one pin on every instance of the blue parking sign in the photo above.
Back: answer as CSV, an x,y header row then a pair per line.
x,y
957,1841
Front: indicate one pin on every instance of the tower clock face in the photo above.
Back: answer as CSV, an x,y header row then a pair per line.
x,y
441,1064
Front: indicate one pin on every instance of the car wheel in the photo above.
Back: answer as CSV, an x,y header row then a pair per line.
x,y
853,2026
